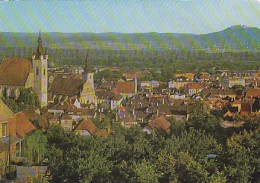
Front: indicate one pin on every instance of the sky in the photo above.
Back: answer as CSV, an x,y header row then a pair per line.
x,y
127,16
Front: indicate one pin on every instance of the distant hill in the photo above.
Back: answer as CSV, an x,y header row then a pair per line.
x,y
235,38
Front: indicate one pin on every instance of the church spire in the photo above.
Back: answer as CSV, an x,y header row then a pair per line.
x,y
87,68
39,50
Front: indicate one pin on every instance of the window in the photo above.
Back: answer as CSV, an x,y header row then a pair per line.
x,y
37,72
44,72
4,129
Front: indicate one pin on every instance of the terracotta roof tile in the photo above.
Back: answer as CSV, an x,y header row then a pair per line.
x,y
102,133
160,123
23,125
88,125
66,86
14,71
195,86
253,93
125,87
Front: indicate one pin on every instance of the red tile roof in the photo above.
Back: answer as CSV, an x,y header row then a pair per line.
x,y
23,125
204,76
14,71
102,133
87,125
160,123
66,86
125,87
253,93
195,86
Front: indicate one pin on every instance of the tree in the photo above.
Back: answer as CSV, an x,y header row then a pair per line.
x,y
146,172
242,157
28,97
35,147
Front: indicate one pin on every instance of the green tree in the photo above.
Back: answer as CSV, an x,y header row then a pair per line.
x,y
28,97
146,172
35,147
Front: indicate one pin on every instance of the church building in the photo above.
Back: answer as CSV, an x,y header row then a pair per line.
x,y
67,87
18,73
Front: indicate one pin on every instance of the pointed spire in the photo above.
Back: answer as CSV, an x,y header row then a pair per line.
x,y
88,68
39,50
40,33
86,60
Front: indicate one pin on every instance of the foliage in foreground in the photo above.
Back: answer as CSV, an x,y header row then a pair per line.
x,y
129,155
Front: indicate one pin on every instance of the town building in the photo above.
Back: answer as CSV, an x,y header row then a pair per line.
x,y
65,87
18,73
194,88
230,82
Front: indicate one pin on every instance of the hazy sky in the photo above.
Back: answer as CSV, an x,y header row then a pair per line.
x,y
176,16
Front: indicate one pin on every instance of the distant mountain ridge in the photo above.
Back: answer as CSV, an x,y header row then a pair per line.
x,y
235,38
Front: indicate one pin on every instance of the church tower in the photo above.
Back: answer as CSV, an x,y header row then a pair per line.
x,y
40,65
88,73
88,92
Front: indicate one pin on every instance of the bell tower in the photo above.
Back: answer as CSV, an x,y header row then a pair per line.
x,y
88,73
88,92
40,65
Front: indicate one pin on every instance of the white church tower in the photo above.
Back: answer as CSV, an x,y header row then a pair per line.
x,y
40,65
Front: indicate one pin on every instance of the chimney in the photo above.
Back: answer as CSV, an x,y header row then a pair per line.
x,y
157,112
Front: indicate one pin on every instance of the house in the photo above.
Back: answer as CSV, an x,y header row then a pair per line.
x,y
149,85
86,128
204,77
116,102
14,127
179,83
66,122
179,112
125,118
19,73
126,89
230,82
158,125
194,88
